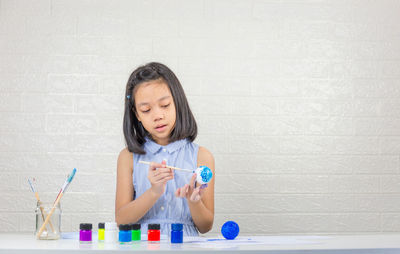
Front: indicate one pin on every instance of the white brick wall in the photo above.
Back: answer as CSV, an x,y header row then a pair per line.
x,y
299,101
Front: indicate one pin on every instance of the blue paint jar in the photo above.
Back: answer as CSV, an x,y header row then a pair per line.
x,y
176,233
125,233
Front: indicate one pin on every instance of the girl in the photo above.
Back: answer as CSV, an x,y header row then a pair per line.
x,y
159,127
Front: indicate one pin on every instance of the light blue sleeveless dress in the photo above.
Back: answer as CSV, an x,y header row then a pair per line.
x,y
168,209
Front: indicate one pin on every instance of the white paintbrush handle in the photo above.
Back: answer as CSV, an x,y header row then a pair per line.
x,y
182,169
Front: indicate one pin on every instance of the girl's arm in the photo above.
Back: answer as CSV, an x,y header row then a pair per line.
x,y
128,210
202,209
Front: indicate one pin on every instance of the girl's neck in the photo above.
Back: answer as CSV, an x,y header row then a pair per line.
x,y
161,142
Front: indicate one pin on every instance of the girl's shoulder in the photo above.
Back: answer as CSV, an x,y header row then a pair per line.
x,y
204,155
125,158
125,152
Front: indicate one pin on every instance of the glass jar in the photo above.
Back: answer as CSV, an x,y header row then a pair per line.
x,y
153,232
176,233
52,229
125,233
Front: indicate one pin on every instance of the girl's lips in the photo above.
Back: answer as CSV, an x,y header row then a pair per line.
x,y
161,128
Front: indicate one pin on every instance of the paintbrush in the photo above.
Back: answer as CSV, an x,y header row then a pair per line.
x,y
182,169
203,173
59,196
39,201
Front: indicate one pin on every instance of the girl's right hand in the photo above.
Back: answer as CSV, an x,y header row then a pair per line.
x,y
158,176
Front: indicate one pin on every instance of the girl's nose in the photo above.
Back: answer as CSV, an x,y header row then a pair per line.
x,y
158,115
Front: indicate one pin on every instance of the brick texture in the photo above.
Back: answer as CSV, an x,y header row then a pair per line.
x,y
299,101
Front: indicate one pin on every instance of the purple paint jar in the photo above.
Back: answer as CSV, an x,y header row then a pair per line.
x,y
85,233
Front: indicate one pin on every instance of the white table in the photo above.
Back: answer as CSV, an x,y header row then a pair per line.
x,y
353,244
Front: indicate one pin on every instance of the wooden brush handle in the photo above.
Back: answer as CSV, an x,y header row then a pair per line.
x,y
182,169
49,216
42,210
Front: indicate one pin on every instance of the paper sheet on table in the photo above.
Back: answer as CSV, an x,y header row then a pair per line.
x,y
265,240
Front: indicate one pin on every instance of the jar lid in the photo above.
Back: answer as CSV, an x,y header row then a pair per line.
x,y
135,226
153,226
85,226
176,226
124,227
101,225
110,226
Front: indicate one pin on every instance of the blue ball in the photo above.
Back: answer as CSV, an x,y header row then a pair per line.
x,y
230,230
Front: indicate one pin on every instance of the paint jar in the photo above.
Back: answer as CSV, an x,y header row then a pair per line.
x,y
110,232
100,232
153,232
176,233
136,234
125,233
85,233
52,228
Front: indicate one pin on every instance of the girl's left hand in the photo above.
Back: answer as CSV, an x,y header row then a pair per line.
x,y
191,193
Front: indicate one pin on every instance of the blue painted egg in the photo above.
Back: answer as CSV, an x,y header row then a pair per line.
x,y
230,230
204,174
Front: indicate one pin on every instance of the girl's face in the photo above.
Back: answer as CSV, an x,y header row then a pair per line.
x,y
155,108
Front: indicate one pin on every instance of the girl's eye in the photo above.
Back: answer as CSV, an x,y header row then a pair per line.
x,y
146,111
166,106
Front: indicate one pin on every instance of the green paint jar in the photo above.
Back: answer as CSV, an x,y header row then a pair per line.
x,y
136,234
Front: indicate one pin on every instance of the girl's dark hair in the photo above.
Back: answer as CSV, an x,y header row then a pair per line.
x,y
134,132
